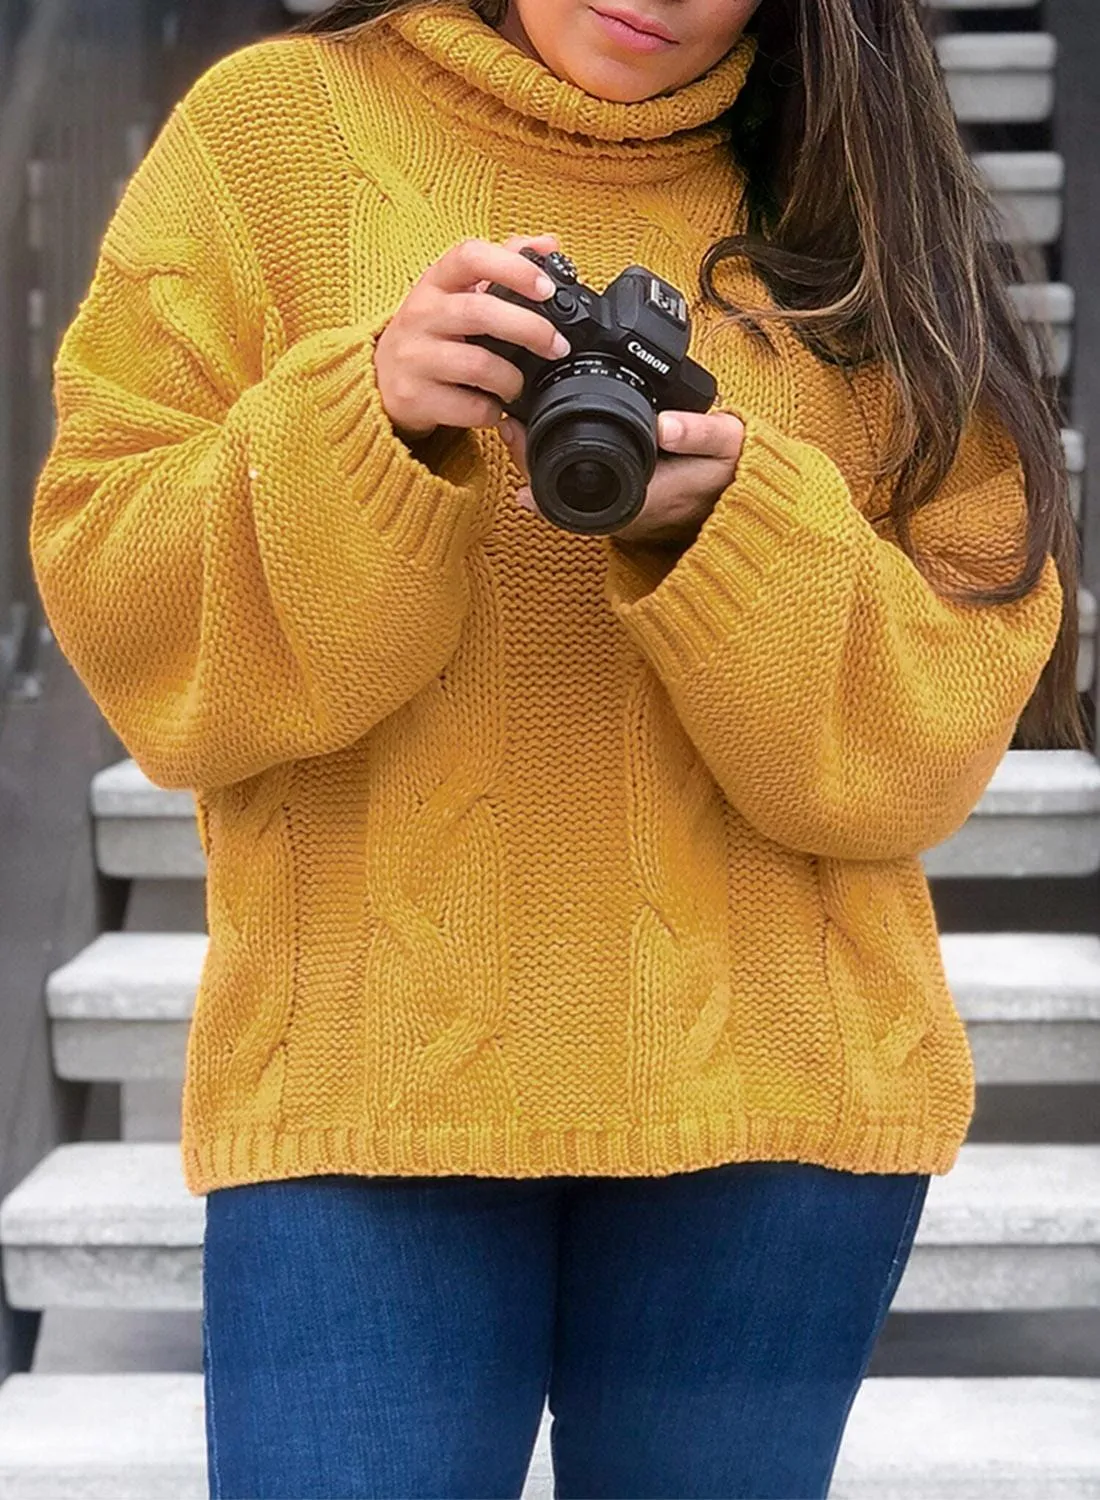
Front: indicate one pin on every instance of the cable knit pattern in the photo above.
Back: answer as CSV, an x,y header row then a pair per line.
x,y
528,853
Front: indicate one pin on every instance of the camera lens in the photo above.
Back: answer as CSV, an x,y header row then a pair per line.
x,y
588,485
591,446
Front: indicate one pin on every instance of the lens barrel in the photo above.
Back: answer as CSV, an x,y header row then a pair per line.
x,y
591,448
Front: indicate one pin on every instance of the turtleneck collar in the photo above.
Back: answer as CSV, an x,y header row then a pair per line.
x,y
467,66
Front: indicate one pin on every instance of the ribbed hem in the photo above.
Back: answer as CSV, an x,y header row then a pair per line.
x,y
785,494
264,1153
421,513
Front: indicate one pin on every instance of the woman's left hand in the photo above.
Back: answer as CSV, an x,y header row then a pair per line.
x,y
683,489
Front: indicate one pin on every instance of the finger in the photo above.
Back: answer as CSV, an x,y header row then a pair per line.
x,y
543,243
463,314
678,483
515,440
455,406
705,434
471,365
473,261
681,493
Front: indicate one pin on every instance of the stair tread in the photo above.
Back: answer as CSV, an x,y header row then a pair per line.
x,y
123,790
997,51
1017,1436
1044,301
1013,1436
129,976
993,976
1022,171
1023,976
78,1420
1042,782
1025,782
113,1193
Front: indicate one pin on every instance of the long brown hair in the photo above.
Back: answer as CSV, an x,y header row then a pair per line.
x,y
885,245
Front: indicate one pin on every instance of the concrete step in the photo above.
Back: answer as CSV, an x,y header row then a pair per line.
x,y
143,831
1073,444
1040,815
120,1009
912,1439
1028,187
103,1437
1047,310
1086,646
998,77
142,1437
139,1341
111,1224
1031,1003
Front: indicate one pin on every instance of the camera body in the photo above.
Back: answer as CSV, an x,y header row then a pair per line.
x,y
591,417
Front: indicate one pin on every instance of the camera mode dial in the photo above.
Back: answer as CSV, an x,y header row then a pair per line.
x,y
562,267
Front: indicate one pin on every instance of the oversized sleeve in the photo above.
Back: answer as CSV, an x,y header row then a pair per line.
x,y
237,555
844,707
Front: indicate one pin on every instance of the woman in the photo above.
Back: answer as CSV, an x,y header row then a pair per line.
x,y
573,1022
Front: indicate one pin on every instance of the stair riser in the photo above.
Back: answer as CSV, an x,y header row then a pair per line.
x,y
110,1276
1016,847
1011,847
1045,1052
155,848
989,1278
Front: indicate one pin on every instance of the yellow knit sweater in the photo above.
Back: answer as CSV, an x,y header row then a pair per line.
x,y
527,854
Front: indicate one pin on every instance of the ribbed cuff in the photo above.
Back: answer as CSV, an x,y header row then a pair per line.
x,y
784,494
426,515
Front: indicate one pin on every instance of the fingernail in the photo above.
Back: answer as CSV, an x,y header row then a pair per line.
x,y
526,499
543,285
560,347
507,430
672,429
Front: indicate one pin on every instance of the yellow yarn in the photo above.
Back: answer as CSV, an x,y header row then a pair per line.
x,y
527,853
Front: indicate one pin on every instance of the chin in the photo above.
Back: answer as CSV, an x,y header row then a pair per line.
x,y
618,84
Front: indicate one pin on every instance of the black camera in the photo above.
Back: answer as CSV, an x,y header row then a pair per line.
x,y
591,417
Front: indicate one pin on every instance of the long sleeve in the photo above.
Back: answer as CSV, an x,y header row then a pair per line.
x,y
844,707
241,560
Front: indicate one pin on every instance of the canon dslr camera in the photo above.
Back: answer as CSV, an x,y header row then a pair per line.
x,y
591,417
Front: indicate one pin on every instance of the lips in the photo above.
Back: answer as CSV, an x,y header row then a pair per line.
x,y
637,23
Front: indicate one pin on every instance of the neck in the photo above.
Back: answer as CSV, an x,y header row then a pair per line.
x,y
514,31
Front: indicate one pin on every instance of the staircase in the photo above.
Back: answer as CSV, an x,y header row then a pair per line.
x,y
1014,1228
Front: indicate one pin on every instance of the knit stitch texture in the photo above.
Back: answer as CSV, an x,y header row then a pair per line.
x,y
528,853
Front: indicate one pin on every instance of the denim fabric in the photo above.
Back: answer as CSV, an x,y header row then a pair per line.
x,y
698,1334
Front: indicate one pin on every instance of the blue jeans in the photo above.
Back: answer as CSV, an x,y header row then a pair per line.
x,y
699,1334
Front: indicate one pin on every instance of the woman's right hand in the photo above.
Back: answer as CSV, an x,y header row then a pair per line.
x,y
427,375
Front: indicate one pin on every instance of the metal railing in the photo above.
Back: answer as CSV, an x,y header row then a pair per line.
x,y
81,93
